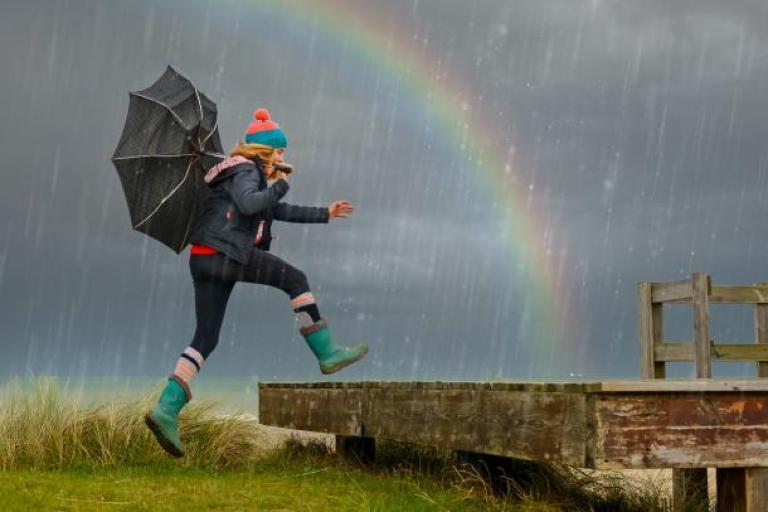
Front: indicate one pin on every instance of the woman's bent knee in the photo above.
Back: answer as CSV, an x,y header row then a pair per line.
x,y
297,284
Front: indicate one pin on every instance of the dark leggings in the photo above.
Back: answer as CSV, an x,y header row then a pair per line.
x,y
214,276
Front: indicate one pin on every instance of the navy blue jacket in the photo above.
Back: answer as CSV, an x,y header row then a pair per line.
x,y
238,213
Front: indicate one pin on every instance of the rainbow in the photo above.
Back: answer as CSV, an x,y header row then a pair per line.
x,y
440,93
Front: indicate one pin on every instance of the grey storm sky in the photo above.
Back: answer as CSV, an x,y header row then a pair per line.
x,y
641,128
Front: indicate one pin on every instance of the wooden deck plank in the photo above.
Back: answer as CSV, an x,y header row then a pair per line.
x,y
538,386
681,430
617,385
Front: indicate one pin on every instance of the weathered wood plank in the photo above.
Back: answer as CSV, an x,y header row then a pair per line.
x,y
684,351
645,330
730,489
675,351
657,315
520,385
756,483
651,328
681,430
720,385
617,385
335,411
548,426
701,289
740,294
675,290
742,489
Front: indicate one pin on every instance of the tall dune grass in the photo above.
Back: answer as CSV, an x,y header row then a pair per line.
x,y
42,429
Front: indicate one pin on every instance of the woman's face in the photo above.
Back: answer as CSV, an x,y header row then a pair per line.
x,y
278,155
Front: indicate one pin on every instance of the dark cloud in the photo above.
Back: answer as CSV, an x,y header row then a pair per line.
x,y
640,128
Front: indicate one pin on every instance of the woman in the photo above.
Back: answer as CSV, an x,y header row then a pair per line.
x,y
230,243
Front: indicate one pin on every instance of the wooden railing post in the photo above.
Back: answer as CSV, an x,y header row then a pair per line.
x,y
701,289
650,325
690,485
761,333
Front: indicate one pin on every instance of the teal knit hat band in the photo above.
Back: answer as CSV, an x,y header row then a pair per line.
x,y
273,138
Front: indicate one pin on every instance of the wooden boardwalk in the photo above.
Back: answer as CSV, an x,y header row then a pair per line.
x,y
687,425
654,423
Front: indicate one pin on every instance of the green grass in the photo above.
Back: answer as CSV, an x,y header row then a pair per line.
x,y
58,454
293,487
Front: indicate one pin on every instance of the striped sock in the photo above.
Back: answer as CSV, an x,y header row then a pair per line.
x,y
188,365
307,312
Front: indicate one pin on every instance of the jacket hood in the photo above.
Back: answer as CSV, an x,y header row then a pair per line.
x,y
217,170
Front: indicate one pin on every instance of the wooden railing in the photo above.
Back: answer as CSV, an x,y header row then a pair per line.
x,y
690,485
702,350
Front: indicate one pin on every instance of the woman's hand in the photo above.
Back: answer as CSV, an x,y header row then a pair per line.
x,y
340,209
279,175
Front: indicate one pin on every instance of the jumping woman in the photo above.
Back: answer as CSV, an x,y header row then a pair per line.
x,y
230,243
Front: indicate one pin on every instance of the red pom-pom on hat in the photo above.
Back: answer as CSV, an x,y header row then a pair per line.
x,y
261,114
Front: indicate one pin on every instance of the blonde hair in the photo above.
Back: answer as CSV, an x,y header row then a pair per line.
x,y
250,151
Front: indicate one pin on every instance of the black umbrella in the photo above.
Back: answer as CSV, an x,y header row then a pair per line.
x,y
170,137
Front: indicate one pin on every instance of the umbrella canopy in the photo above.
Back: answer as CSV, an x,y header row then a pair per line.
x,y
170,137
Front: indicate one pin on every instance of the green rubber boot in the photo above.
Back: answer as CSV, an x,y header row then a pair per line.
x,y
163,419
332,357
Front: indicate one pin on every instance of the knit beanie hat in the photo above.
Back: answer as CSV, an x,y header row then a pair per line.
x,y
265,131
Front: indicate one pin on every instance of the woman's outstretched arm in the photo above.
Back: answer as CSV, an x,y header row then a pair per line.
x,y
312,214
303,214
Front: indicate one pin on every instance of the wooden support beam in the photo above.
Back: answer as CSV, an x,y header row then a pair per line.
x,y
673,291
742,489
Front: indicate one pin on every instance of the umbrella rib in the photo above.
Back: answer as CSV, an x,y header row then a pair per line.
x,y
199,104
169,109
200,122
163,200
153,156
215,127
